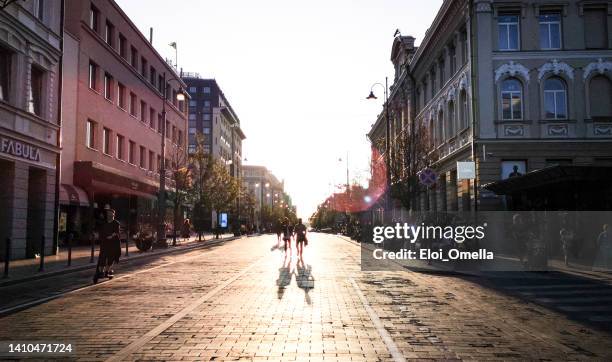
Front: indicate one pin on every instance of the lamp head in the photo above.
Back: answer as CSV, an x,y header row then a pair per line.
x,y
371,96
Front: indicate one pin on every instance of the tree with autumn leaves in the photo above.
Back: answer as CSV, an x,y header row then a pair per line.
x,y
214,189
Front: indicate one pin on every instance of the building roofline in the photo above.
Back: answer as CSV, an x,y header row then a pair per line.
x,y
425,43
143,37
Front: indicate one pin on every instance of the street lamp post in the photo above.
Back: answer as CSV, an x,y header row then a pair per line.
x,y
387,137
161,227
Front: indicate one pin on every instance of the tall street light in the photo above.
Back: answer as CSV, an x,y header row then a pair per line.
x,y
161,227
387,137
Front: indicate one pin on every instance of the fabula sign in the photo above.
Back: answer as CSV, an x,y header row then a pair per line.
x,y
19,149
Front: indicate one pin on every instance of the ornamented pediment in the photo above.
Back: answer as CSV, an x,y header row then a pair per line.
x,y
556,67
512,69
600,67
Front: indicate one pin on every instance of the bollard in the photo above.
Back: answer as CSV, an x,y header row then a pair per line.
x,y
93,242
70,236
42,254
7,256
127,245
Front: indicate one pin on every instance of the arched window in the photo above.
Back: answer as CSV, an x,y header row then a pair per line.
x,y
600,97
451,119
555,98
512,99
464,109
432,140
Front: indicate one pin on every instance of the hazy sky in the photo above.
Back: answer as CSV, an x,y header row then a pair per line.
x,y
296,73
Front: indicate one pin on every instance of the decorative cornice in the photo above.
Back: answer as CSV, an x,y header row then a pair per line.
x,y
601,67
556,67
512,69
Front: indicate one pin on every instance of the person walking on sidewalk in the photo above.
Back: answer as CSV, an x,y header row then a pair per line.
x,y
110,246
287,233
300,237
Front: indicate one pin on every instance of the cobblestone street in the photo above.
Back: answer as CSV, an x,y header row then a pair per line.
x,y
244,300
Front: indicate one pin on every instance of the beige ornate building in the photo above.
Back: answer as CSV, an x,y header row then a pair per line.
x,y
30,77
517,87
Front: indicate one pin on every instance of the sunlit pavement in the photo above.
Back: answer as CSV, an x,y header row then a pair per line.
x,y
241,301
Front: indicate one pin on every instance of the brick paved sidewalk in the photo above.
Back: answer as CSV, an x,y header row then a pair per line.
x,y
28,269
241,301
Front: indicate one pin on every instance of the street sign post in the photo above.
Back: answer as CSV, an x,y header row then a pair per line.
x,y
466,170
428,177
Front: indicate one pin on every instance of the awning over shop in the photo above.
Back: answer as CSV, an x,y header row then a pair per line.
x,y
73,195
549,176
103,179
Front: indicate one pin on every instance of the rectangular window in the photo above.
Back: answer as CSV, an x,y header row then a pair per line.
x,y
143,157
134,57
206,104
206,130
5,73
39,9
193,103
119,153
180,138
508,32
122,46
93,75
206,117
441,66
433,83
453,60
90,134
121,95
151,160
143,67
159,123
464,48
160,83
596,28
167,129
152,118
93,18
152,75
132,152
143,111
106,134
36,90
550,31
133,104
108,86
192,117
158,162
205,89
192,131
109,34
193,90
174,134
